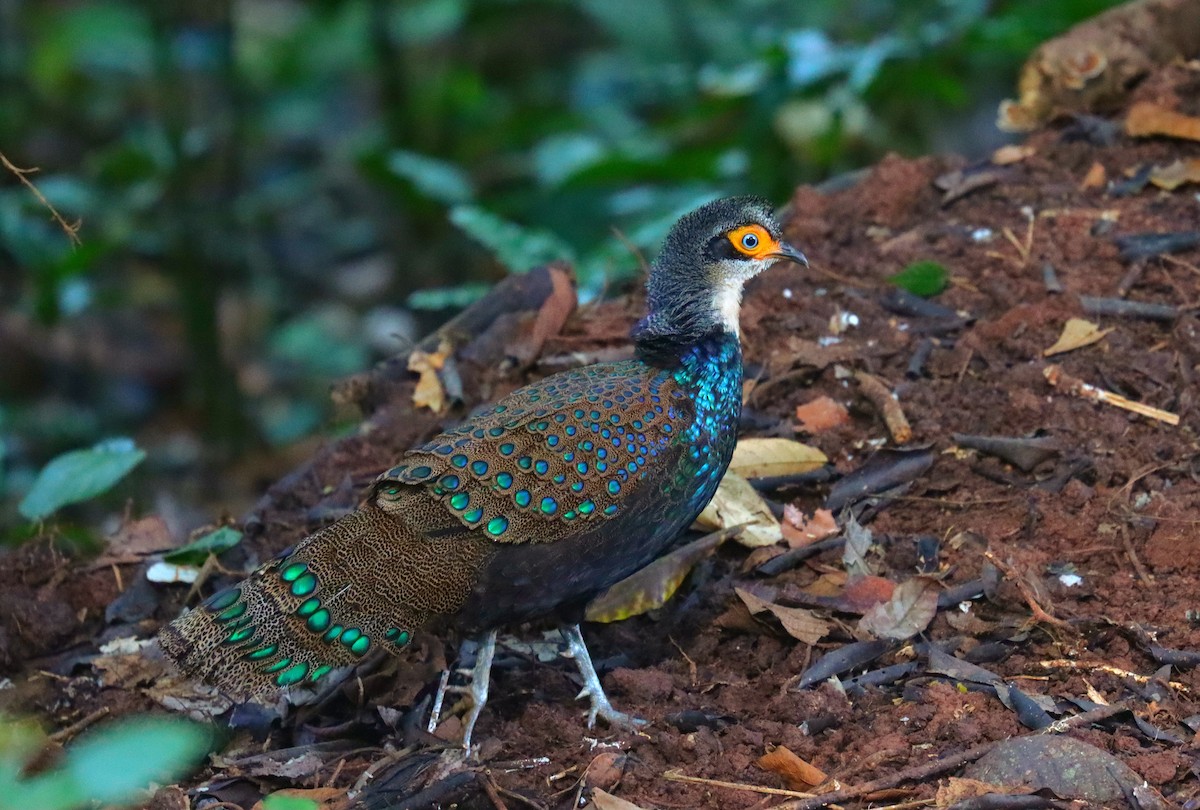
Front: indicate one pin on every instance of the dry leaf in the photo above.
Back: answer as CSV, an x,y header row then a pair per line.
x,y
1012,153
551,317
650,587
957,789
910,610
134,540
429,392
1147,118
735,503
821,414
606,801
1095,178
799,530
1174,175
1076,334
797,774
800,624
606,770
768,458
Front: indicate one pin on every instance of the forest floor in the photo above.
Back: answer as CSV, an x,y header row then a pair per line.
x,y
1074,565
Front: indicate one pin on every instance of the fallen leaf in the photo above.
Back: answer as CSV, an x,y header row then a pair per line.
x,y
737,503
769,458
1076,334
1069,768
134,540
861,594
1174,175
796,773
800,624
821,414
858,543
1012,153
1096,177
429,392
607,801
799,530
956,790
650,587
606,770
910,610
1146,119
552,315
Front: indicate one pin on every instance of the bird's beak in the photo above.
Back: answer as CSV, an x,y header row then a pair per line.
x,y
786,251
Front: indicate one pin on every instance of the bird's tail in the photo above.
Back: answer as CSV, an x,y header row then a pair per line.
x,y
288,624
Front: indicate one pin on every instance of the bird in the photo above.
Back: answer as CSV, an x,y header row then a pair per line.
x,y
528,508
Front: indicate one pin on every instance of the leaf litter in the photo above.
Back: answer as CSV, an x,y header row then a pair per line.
x,y
883,719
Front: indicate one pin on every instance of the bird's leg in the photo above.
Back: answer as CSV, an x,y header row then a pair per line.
x,y
591,685
480,679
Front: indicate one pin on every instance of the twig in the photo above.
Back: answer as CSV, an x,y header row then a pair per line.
x,y
676,776
1039,613
1131,552
1065,663
919,772
1073,385
62,735
1094,305
489,787
72,231
888,406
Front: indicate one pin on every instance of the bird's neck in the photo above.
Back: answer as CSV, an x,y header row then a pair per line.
x,y
711,364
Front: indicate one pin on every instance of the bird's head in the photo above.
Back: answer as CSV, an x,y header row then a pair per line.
x,y
695,285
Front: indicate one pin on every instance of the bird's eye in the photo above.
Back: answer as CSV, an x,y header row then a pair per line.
x,y
751,241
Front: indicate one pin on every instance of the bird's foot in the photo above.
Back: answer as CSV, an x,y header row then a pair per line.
x,y
481,676
601,707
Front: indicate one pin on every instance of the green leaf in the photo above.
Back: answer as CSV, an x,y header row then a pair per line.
x,y
114,763
436,179
520,249
925,279
196,552
79,475
277,802
111,765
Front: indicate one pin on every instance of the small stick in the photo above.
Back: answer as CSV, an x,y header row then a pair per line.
x,y
917,773
1039,613
676,776
888,406
1073,385
1066,663
62,735
1143,575
1128,309
1131,277
72,230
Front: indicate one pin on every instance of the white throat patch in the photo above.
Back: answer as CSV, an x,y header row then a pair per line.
x,y
727,302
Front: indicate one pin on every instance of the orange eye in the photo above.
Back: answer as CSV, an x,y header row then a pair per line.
x,y
752,241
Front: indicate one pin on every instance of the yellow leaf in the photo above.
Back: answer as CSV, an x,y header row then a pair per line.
x,y
767,458
429,392
1075,334
735,503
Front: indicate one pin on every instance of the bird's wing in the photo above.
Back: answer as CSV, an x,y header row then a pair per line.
x,y
567,450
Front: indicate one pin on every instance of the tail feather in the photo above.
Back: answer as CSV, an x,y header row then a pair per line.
x,y
289,623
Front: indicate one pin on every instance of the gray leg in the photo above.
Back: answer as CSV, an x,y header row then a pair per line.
x,y
591,685
480,679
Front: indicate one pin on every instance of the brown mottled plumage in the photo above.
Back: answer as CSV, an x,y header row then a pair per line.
x,y
526,510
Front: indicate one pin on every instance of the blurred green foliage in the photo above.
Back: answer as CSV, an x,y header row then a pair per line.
x,y
110,765
271,190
